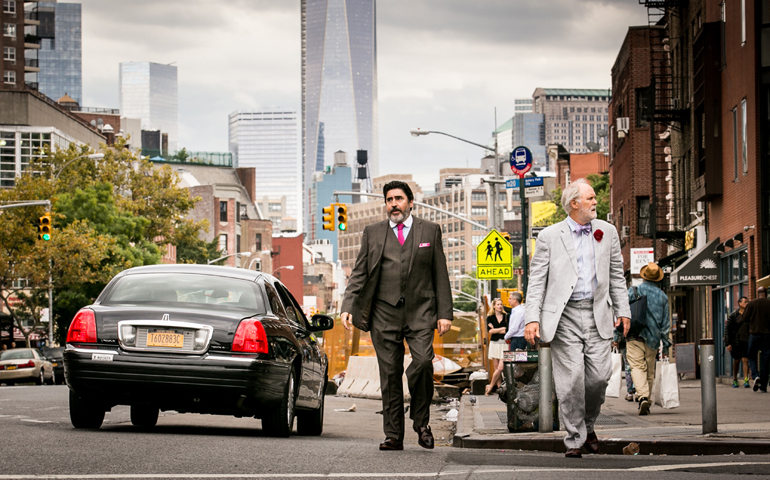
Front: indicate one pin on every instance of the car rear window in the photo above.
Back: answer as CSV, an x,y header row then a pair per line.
x,y
186,291
16,355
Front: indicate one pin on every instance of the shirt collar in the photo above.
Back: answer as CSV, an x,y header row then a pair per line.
x,y
573,225
407,223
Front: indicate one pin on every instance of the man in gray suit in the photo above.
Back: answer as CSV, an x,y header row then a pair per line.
x,y
576,288
399,288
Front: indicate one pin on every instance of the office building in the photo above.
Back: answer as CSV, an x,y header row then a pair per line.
x,y
20,43
529,130
267,140
578,119
522,105
148,91
339,83
60,57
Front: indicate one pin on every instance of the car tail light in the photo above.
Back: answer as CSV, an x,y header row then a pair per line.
x,y
250,337
83,328
30,364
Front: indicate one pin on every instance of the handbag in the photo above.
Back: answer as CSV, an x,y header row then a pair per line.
x,y
665,388
613,387
638,314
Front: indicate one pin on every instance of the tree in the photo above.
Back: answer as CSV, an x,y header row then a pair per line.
x,y
189,246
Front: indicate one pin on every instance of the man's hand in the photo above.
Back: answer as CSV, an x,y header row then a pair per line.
x,y
531,331
443,326
626,324
347,320
729,348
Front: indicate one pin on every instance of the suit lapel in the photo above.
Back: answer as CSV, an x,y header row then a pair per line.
x,y
569,245
417,232
383,230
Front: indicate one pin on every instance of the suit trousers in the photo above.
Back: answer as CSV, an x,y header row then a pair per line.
x,y
642,360
389,330
582,368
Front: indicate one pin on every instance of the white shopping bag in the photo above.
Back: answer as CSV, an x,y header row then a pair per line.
x,y
613,388
665,389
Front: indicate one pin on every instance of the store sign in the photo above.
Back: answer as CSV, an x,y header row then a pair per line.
x,y
641,257
701,269
689,239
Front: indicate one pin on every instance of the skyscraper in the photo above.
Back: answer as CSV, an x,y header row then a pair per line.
x,y
574,117
148,91
61,53
266,139
339,83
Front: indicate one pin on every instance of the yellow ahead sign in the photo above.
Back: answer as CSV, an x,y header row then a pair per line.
x,y
494,258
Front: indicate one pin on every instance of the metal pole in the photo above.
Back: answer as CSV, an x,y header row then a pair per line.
x,y
708,386
50,303
546,388
524,235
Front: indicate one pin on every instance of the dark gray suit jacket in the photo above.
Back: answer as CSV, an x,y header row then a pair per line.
x,y
428,294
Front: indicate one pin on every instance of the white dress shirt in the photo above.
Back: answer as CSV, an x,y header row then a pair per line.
x,y
407,226
516,323
584,251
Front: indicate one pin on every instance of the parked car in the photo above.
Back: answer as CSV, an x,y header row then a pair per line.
x,y
56,356
24,365
197,339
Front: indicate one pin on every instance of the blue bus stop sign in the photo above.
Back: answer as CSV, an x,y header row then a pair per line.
x,y
521,160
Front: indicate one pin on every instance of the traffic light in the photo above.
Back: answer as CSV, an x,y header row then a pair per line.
x,y
45,227
342,216
329,217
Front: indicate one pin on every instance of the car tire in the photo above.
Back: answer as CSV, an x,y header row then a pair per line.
x,y
85,413
40,378
53,378
144,415
311,422
279,421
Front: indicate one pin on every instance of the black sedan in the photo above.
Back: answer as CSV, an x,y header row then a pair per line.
x,y
197,339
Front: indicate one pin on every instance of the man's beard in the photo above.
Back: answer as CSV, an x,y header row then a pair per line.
x,y
397,216
587,214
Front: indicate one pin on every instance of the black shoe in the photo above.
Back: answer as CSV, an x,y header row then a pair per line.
x,y
756,384
424,436
644,406
391,443
592,443
573,453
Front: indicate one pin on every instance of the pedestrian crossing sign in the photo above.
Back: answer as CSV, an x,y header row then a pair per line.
x,y
494,258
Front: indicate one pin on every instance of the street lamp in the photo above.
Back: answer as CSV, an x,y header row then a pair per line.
x,y
287,267
256,259
245,254
93,156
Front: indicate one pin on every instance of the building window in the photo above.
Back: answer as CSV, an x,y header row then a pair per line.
x,y
237,243
479,211
735,144
242,209
462,255
643,209
479,196
223,211
223,243
743,22
482,222
476,239
9,6
238,214
274,207
258,242
9,29
9,76
9,54
744,137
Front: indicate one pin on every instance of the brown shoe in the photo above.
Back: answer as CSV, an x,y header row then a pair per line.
x,y
424,436
573,453
592,443
391,443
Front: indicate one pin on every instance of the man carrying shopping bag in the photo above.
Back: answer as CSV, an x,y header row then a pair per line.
x,y
642,347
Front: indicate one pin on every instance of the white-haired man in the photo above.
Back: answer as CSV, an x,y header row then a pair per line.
x,y
576,289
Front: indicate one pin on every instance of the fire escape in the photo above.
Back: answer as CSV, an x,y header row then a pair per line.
x,y
664,113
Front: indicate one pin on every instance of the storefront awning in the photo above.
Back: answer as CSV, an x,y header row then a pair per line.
x,y
702,269
764,282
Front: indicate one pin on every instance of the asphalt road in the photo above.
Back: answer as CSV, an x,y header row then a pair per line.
x,y
37,441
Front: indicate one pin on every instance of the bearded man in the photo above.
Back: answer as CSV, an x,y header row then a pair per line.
x,y
576,290
399,289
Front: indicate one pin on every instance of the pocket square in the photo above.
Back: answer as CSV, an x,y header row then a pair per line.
x,y
424,245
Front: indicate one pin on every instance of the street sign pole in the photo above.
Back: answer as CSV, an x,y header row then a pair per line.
x,y
521,163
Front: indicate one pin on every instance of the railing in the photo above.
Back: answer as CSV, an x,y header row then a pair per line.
x,y
32,15
104,111
31,62
218,159
32,85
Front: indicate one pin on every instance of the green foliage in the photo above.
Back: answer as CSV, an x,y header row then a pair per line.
x,y
189,246
468,286
181,156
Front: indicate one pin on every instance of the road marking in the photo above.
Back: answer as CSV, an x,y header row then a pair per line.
x,y
34,421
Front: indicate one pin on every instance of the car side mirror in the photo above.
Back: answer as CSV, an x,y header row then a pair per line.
x,y
319,322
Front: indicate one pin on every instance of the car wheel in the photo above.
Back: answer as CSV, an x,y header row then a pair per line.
x,y
311,422
53,378
280,421
40,378
144,415
85,413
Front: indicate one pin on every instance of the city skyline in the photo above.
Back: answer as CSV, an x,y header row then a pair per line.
x,y
441,65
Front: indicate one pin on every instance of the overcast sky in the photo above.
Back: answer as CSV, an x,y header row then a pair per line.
x,y
443,64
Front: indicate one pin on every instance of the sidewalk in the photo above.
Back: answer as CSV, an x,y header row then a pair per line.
x,y
743,418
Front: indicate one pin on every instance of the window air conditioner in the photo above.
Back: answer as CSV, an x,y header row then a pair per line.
x,y
626,231
623,124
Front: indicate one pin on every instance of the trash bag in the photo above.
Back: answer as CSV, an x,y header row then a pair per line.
x,y
528,397
502,392
518,372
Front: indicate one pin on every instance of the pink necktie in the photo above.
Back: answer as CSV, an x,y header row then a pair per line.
x,y
401,233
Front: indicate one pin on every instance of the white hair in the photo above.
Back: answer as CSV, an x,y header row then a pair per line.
x,y
572,192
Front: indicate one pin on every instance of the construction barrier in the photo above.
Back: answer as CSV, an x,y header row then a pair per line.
x,y
362,378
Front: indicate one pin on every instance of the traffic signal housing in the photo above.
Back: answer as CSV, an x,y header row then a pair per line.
x,y
45,227
328,217
342,217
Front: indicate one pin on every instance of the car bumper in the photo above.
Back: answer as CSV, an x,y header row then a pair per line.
x,y
189,383
19,375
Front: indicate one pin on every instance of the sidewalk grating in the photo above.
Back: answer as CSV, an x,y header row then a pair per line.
x,y
602,421
664,431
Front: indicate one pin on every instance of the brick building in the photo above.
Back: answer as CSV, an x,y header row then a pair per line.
x,y
287,252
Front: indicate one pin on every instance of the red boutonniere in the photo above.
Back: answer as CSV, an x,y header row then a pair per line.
x,y
598,235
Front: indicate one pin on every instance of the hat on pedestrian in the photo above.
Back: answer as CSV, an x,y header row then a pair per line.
x,y
651,272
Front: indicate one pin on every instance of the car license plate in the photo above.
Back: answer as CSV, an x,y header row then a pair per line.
x,y
11,367
55,364
165,338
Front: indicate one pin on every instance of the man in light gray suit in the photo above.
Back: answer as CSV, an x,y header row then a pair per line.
x,y
576,289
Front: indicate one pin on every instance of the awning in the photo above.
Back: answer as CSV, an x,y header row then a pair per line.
x,y
764,282
701,269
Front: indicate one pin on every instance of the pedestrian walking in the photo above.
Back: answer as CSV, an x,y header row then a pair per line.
x,y
619,342
642,347
757,313
736,340
497,325
399,289
576,293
